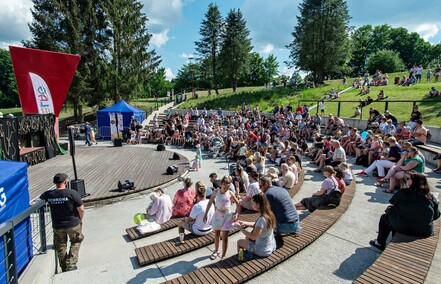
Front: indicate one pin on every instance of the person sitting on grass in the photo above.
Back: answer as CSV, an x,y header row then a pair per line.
x,y
433,92
261,239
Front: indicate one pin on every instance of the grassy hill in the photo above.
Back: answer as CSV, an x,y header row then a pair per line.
x,y
267,99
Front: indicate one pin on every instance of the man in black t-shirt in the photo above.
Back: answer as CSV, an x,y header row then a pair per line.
x,y
67,212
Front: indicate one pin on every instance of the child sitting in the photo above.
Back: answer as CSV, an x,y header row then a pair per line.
x,y
344,167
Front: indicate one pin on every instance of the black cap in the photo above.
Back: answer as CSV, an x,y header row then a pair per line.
x,y
60,177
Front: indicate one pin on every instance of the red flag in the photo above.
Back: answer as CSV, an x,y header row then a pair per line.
x,y
43,78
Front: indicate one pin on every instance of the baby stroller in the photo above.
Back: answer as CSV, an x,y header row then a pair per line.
x,y
215,149
188,139
76,133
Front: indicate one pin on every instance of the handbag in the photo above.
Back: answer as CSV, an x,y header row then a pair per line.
x,y
388,209
434,203
334,197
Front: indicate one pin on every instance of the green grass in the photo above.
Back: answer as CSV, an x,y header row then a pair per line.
x,y
267,99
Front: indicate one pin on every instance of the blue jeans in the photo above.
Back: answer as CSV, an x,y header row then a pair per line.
x,y
287,228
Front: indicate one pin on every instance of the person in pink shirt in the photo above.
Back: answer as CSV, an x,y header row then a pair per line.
x,y
184,200
160,210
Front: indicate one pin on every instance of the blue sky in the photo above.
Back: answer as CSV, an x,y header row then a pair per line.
x,y
175,23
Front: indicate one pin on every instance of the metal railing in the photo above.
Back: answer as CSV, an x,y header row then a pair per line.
x,y
340,102
39,223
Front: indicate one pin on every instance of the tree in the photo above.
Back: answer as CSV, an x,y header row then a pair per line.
x,y
77,27
8,88
159,83
256,71
208,46
236,47
271,65
112,40
362,47
131,62
387,61
320,41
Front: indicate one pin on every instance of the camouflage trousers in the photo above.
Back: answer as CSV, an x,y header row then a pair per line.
x,y
68,260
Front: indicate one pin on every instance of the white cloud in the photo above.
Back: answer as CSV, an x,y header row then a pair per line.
x,y
160,39
163,14
271,23
14,17
268,48
186,55
286,71
169,74
426,31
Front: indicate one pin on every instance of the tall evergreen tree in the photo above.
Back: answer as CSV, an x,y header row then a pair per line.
x,y
320,42
8,88
131,62
236,47
76,27
208,46
270,64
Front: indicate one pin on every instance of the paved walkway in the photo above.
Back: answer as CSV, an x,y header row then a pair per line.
x,y
339,256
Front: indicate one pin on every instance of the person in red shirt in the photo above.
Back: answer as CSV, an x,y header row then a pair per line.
x,y
252,138
299,108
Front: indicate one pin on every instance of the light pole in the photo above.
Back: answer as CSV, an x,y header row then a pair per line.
x,y
192,77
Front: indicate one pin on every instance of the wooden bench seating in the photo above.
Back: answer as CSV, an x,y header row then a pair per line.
x,y
434,149
172,223
169,248
406,259
231,270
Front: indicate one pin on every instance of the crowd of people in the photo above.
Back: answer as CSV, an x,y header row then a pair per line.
x,y
255,142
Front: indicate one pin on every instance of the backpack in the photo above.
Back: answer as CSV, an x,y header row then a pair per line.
x,y
160,147
428,135
362,161
176,156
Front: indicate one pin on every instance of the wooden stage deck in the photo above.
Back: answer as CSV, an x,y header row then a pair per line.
x,y
102,167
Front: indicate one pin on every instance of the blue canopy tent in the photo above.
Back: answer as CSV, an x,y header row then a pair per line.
x,y
14,199
127,111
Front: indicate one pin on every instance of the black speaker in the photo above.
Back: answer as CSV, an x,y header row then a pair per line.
x,y
117,142
79,186
124,184
172,169
176,156
160,147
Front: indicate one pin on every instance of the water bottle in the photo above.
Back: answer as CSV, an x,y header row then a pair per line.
x,y
241,254
250,251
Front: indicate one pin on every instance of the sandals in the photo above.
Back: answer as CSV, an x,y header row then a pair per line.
x,y
214,255
388,191
379,184
378,246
